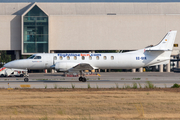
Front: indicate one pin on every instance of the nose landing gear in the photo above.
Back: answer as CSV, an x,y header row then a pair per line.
x,y
26,79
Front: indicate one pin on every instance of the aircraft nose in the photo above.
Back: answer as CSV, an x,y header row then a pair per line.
x,y
15,64
7,65
12,64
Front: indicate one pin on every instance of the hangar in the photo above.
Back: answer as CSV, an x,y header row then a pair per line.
x,y
50,27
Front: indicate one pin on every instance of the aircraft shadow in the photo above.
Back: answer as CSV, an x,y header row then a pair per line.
x,y
54,75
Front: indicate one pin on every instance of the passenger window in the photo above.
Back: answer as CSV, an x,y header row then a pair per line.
x,y
75,58
97,57
60,57
37,57
104,57
90,57
83,58
68,58
55,58
112,57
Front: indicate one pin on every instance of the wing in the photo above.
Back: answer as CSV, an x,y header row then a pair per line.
x,y
82,66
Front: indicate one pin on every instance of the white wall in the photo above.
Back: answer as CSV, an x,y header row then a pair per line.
x,y
86,26
10,32
125,32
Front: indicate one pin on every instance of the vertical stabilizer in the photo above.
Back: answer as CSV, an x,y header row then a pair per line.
x,y
167,42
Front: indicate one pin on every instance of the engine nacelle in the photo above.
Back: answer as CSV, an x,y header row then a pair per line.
x,y
64,66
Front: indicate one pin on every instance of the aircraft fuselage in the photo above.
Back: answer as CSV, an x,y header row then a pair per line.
x,y
134,59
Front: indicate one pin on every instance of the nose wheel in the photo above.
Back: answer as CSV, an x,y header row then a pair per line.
x,y
26,79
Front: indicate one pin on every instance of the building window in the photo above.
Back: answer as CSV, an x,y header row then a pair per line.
x,y
90,57
97,57
60,57
83,58
112,57
75,57
35,31
104,57
68,58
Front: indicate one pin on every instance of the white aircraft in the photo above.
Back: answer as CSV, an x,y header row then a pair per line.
x,y
77,62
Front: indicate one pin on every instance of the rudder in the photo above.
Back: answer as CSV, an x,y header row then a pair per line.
x,y
166,43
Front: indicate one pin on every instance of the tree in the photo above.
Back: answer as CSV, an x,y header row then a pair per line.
x,y
4,57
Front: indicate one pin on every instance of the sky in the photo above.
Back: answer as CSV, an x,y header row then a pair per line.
x,y
89,0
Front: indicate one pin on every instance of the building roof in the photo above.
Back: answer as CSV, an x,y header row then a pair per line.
x,y
93,8
89,1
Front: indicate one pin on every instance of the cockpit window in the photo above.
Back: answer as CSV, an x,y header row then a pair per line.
x,y
37,57
31,57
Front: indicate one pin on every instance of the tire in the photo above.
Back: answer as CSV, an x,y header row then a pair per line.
x,y
80,78
26,79
21,75
84,79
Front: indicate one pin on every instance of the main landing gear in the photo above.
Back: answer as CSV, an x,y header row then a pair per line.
x,y
81,78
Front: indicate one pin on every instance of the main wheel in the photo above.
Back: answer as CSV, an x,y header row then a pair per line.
x,y
84,79
2,75
26,79
80,78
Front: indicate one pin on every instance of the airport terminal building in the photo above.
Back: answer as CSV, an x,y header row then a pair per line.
x,y
49,27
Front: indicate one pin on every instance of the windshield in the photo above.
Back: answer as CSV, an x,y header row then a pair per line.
x,y
31,57
37,57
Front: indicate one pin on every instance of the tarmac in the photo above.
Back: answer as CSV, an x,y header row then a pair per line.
x,y
106,80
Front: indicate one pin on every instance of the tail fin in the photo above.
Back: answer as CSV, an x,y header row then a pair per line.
x,y
162,51
166,44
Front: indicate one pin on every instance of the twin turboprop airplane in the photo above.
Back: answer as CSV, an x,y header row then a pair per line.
x,y
77,62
